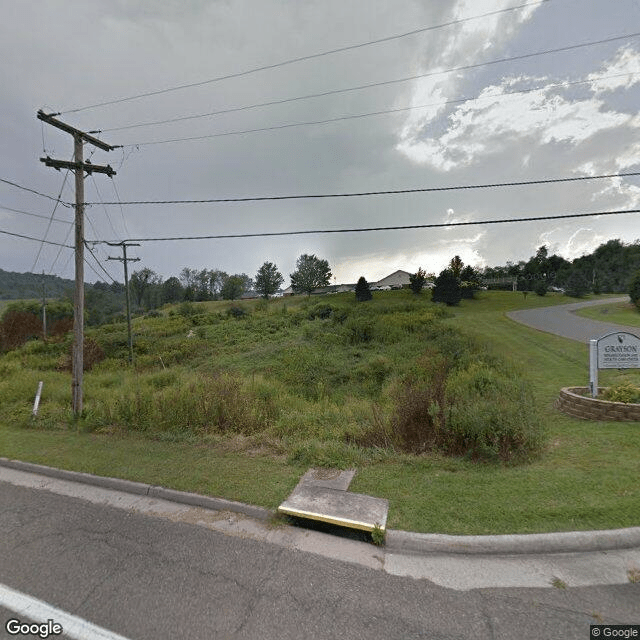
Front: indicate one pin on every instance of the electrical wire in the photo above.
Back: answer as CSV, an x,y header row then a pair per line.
x,y
390,228
35,215
46,233
299,59
95,184
18,235
375,193
44,195
339,91
88,248
124,221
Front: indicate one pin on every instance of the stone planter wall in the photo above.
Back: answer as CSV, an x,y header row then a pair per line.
x,y
588,408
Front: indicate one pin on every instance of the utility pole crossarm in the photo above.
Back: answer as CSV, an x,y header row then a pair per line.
x,y
49,119
84,166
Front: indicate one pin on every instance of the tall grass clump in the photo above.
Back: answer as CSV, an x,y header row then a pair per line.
x,y
200,405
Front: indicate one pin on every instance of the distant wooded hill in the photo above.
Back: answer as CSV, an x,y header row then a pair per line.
x,y
24,286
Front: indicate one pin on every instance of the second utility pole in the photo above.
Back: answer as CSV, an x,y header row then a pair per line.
x,y
124,259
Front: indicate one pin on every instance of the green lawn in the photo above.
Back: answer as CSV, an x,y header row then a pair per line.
x,y
586,477
623,313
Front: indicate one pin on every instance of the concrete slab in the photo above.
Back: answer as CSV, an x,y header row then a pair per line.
x,y
337,507
327,478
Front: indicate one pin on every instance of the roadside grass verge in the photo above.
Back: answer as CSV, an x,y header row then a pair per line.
x,y
624,313
300,386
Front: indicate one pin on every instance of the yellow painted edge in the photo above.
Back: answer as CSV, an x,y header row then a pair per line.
x,y
354,524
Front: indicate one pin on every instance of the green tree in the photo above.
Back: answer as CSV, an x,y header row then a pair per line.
x,y
268,279
363,292
456,265
417,280
141,281
634,289
234,286
172,290
447,288
311,272
576,285
469,282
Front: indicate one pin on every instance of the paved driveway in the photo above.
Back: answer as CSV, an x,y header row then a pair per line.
x,y
561,321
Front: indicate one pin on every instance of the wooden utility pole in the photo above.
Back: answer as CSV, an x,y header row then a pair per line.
x,y
124,259
44,308
79,166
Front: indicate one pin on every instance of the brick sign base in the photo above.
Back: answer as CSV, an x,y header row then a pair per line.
x,y
576,405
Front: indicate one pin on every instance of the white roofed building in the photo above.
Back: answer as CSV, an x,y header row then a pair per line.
x,y
396,279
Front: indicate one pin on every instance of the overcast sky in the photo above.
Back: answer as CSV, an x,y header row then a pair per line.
x,y
503,122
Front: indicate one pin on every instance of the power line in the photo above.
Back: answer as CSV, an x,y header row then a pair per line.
x,y
368,114
44,195
46,233
300,58
18,235
86,244
332,92
376,193
357,88
35,215
391,228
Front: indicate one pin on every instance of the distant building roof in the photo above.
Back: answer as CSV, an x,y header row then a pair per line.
x,y
397,278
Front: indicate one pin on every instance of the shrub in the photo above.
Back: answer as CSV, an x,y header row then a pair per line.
x,y
236,312
92,354
359,330
623,392
474,410
541,288
491,415
187,309
634,289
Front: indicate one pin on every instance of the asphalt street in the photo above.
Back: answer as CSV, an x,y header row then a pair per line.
x,y
562,321
158,576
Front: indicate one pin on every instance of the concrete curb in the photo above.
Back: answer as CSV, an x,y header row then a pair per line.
x,y
400,542
140,488
407,542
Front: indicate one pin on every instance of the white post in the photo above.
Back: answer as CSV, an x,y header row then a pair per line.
x,y
593,367
36,403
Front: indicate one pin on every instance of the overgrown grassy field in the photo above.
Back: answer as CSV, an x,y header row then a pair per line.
x,y
619,312
239,405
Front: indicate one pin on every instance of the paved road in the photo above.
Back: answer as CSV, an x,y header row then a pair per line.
x,y
560,320
170,576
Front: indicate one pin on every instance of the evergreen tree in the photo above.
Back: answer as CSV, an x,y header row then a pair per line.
x,y
447,288
363,292
417,280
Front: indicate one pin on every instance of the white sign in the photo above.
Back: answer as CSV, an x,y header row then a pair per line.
x,y
620,350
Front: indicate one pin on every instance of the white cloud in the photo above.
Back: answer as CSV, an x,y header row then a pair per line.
x,y
498,120
617,73
462,45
